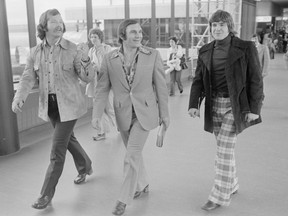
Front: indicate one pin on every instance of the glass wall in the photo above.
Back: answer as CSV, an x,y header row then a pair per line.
x,y
107,16
76,28
18,36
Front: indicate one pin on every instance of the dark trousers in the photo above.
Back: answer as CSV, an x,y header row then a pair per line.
x,y
63,139
284,46
175,76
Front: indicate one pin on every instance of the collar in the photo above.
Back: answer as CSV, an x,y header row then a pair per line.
x,y
225,42
235,42
61,42
139,49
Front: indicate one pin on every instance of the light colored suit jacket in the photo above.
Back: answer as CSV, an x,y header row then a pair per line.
x,y
148,94
68,68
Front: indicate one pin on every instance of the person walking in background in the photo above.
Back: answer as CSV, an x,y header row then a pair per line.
x,y
136,76
285,39
57,64
174,53
285,57
96,54
263,53
228,75
173,58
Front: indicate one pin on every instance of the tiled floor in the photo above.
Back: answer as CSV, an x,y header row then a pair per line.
x,y
181,173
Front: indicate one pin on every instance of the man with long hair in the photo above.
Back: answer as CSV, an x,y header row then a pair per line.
x,y
57,64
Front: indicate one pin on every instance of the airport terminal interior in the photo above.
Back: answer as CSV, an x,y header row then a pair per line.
x,y
181,172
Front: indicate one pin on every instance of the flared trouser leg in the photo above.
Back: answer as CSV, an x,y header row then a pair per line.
x,y
134,169
225,182
61,137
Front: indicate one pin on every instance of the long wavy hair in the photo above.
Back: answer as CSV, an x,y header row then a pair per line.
x,y
98,32
42,26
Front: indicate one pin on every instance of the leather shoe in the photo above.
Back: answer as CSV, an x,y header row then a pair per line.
x,y
81,177
42,202
139,193
119,208
210,206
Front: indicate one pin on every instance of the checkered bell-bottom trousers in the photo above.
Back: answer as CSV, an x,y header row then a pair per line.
x,y
225,182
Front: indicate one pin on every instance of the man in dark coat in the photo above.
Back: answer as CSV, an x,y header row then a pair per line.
x,y
228,75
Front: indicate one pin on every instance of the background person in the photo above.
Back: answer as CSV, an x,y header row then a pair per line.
x,y
228,75
263,53
96,54
174,53
57,64
136,76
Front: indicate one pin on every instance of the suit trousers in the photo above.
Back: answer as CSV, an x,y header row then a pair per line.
x,y
225,182
135,177
63,139
175,76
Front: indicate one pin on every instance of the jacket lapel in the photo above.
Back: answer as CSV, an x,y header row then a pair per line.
x,y
143,58
119,71
139,68
234,52
207,56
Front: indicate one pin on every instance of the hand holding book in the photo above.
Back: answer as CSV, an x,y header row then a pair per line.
x,y
161,135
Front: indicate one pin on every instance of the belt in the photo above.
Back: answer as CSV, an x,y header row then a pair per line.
x,y
220,94
52,97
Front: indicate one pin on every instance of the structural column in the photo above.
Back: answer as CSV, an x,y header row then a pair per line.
x,y
9,139
127,9
89,15
153,24
31,23
187,41
172,19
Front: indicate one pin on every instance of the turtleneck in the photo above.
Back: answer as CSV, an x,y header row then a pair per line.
x,y
226,41
220,55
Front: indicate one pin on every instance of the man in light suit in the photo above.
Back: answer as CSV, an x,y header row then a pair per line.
x,y
136,76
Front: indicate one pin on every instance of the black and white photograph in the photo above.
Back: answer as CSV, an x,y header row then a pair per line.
x,y
143,107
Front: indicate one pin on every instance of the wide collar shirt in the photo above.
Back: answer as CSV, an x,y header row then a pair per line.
x,y
129,68
51,54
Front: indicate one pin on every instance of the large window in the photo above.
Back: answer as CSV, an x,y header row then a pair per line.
x,y
76,28
107,16
18,36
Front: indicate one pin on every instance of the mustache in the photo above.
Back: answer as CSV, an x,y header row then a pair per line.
x,y
59,29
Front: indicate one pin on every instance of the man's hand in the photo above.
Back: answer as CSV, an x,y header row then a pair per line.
x,y
166,122
251,117
194,112
16,105
83,49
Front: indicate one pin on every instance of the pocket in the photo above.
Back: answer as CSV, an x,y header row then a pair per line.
x,y
67,67
150,102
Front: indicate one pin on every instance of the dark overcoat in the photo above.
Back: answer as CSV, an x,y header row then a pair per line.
x,y
244,80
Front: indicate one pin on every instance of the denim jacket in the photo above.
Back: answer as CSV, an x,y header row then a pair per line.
x,y
68,68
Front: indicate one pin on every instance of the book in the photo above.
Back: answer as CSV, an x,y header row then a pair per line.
x,y
160,135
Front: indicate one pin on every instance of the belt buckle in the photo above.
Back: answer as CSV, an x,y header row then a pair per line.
x,y
53,97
